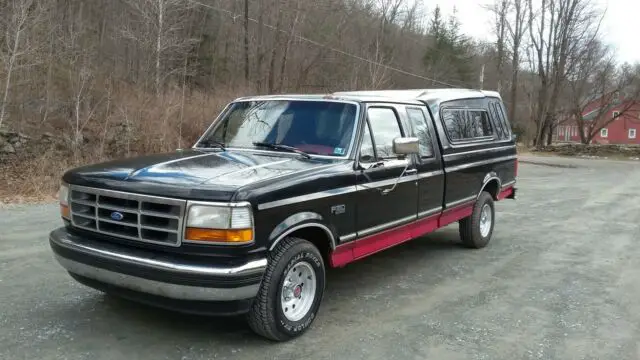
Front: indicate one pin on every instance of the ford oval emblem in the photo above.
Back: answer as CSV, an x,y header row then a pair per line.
x,y
117,216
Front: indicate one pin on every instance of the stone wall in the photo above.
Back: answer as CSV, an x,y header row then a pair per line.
x,y
13,142
593,150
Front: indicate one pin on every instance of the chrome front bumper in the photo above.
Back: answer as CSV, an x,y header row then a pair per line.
x,y
151,273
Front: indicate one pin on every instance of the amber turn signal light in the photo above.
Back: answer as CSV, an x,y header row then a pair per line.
x,y
64,211
216,235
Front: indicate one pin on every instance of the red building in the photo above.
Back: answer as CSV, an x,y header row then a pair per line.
x,y
623,129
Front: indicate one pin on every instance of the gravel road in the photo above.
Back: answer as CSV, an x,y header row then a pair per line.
x,y
560,280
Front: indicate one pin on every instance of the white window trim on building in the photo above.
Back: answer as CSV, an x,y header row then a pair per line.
x,y
632,133
604,132
616,114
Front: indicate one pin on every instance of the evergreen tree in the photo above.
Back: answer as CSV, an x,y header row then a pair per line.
x,y
450,48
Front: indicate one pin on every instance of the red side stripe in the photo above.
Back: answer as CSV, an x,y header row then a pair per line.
x,y
377,242
424,226
454,214
342,255
372,244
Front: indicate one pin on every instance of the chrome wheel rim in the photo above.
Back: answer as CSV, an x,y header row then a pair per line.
x,y
485,220
298,291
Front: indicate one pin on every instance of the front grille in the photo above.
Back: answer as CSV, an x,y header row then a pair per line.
x,y
130,216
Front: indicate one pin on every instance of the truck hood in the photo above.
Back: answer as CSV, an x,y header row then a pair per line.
x,y
210,175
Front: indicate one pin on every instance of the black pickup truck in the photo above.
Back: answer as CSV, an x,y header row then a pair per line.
x,y
279,188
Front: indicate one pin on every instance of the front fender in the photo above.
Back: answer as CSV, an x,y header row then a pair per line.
x,y
299,221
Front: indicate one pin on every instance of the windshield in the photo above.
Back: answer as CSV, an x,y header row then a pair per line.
x,y
315,127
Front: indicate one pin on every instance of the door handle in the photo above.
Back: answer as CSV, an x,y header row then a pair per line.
x,y
411,172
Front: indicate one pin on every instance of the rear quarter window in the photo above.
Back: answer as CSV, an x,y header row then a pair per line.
x,y
500,119
497,120
463,125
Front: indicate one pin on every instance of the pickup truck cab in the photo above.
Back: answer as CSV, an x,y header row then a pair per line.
x,y
278,189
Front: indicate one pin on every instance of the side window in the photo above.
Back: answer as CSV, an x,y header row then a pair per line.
x,y
385,128
419,124
482,123
503,120
465,124
366,148
497,120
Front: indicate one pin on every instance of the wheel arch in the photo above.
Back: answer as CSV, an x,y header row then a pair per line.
x,y
306,225
492,185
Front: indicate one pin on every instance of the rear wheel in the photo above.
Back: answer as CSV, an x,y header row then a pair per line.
x,y
476,230
291,291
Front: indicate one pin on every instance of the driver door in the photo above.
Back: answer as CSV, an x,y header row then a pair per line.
x,y
387,195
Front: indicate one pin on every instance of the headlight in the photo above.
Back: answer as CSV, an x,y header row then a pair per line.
x,y
63,198
219,224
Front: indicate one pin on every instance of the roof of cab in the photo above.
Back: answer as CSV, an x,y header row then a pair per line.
x,y
412,96
426,95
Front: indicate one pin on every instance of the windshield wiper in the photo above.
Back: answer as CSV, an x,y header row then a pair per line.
x,y
212,143
282,147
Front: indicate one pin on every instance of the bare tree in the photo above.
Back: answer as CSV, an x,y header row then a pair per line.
x,y
377,70
558,28
163,35
287,48
80,77
246,40
21,15
500,9
274,49
516,28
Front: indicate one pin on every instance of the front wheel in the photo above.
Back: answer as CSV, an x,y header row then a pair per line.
x,y
476,230
291,291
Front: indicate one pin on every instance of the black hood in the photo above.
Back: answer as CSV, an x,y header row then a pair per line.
x,y
206,175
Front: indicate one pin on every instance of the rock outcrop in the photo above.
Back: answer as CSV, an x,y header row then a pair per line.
x,y
12,141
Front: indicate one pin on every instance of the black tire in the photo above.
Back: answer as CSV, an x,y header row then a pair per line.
x,y
469,227
266,317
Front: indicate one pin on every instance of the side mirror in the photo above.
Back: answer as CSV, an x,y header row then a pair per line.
x,y
406,145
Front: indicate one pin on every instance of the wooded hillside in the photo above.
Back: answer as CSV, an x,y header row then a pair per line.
x,y
87,80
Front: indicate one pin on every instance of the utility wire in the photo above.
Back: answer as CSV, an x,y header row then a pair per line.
x,y
316,43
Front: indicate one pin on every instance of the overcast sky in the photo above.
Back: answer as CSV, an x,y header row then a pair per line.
x,y
620,26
